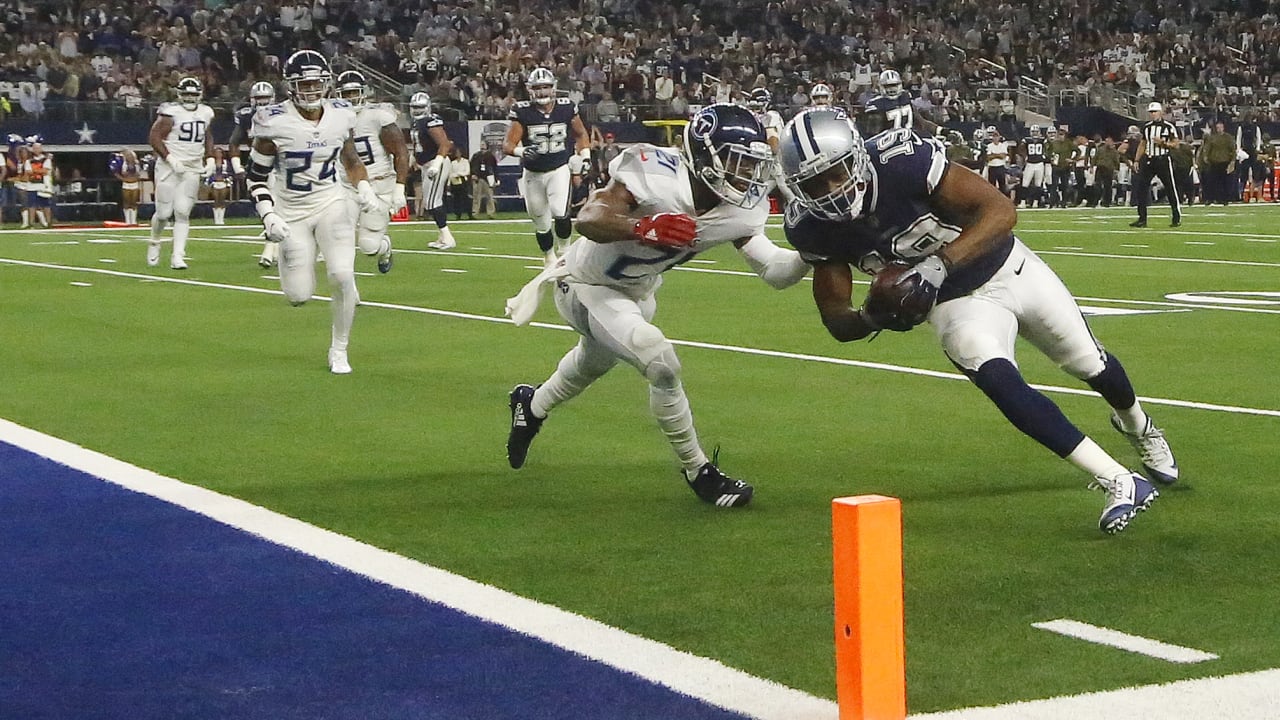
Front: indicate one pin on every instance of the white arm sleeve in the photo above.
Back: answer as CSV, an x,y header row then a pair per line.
x,y
779,267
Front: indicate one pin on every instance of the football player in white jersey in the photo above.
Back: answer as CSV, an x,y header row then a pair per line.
x,y
180,136
758,101
381,147
662,207
298,146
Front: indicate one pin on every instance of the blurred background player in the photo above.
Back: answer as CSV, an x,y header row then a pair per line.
x,y
431,148
819,97
382,149
997,159
219,174
891,109
1035,168
9,176
307,208
540,133
261,94
180,136
37,171
124,166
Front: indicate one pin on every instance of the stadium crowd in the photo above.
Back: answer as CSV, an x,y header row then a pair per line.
x,y
638,59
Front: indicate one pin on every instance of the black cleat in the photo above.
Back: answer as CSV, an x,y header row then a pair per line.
x,y
1176,223
524,426
713,486
1138,223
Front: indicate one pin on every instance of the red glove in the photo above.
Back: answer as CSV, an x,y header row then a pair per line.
x,y
672,230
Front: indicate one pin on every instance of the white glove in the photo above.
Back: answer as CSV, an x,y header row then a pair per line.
x,y
433,167
367,198
277,230
398,199
576,164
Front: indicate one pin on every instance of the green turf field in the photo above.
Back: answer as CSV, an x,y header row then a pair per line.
x,y
215,384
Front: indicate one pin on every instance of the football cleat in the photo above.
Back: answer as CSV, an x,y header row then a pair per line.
x,y
1127,495
442,244
153,254
338,364
1157,458
178,264
713,486
524,426
265,262
385,261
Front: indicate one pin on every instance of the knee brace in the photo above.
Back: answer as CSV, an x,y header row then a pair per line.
x,y
657,356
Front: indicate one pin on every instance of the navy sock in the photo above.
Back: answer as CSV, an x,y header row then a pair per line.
x,y
545,241
441,216
1029,410
564,228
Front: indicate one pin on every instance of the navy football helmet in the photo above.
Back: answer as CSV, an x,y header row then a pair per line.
x,y
825,164
759,99
726,148
352,87
190,92
307,75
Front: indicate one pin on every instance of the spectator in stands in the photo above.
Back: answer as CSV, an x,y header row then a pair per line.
x,y
607,109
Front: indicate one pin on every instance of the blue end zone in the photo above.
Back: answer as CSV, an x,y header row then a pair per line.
x,y
117,605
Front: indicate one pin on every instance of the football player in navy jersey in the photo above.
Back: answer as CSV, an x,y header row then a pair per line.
x,y
891,109
548,136
895,197
261,94
431,148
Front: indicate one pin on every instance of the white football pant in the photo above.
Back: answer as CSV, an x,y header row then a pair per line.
x,y
546,196
174,201
331,231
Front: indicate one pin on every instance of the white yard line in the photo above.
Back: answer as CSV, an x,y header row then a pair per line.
x,y
1124,641
1192,404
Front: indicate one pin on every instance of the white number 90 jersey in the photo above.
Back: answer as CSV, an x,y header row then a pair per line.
x,y
185,141
308,155
659,181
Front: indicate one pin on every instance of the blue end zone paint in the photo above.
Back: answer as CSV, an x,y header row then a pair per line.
x,y
117,605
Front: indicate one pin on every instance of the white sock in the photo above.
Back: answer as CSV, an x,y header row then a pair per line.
x,y
157,228
181,228
1094,460
573,375
446,236
345,297
670,407
1133,419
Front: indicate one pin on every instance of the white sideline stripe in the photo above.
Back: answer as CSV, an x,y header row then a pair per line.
x,y
1124,641
688,343
685,673
1247,696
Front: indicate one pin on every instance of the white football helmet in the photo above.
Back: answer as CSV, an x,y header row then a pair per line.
x,y
352,87
825,164
890,83
307,75
262,93
542,86
190,92
821,95
419,105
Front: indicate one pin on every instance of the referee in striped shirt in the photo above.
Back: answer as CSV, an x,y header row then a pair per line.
x,y
1158,136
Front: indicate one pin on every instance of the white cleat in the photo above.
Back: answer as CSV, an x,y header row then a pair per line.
x,y
153,254
1127,495
442,245
178,264
1157,458
338,364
